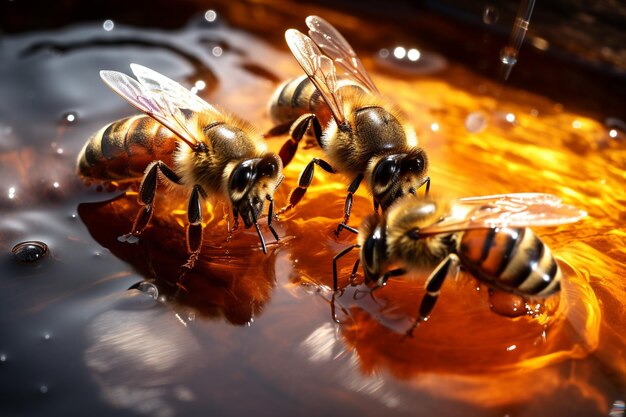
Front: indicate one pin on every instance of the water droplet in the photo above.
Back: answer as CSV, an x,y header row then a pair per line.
x,y
476,122
47,336
70,117
383,53
30,251
3,357
210,15
217,51
490,15
534,112
508,56
43,389
108,25
191,316
147,288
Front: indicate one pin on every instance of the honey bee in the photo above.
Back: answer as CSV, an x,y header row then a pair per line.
x,y
188,142
364,135
488,236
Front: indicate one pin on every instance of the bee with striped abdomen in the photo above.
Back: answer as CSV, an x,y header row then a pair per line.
x,y
487,236
362,134
190,143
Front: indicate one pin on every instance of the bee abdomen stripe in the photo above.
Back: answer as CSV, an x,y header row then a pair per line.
x,y
528,252
542,275
113,139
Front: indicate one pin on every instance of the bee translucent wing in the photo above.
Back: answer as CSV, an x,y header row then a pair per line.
x,y
149,103
506,210
319,68
333,44
176,94
161,98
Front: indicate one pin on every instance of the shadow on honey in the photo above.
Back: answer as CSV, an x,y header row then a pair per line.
x,y
233,281
265,336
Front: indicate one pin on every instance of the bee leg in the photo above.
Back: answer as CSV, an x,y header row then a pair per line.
x,y
236,221
433,287
354,269
231,230
393,273
270,217
147,191
304,181
258,230
194,228
296,133
333,309
347,207
336,258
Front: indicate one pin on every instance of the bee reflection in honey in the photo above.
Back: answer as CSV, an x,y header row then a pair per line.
x,y
487,236
364,135
189,143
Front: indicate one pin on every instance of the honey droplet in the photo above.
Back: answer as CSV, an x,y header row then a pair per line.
x,y
30,251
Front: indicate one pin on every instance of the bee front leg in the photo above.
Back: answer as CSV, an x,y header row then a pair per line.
x,y
336,258
296,133
147,192
270,217
347,207
194,228
304,181
433,287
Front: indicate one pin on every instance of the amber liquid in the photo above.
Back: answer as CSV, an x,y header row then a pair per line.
x,y
465,360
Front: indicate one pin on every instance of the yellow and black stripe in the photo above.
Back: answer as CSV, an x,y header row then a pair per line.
x,y
123,149
513,259
294,98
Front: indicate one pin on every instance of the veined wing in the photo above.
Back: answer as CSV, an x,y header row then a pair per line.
x,y
319,68
166,101
506,210
335,46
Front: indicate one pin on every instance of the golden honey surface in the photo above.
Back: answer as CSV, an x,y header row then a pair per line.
x,y
268,328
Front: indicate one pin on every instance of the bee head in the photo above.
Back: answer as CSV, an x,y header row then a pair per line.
x,y
373,242
251,183
396,175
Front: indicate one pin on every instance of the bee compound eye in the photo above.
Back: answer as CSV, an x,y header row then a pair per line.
x,y
384,172
241,177
368,251
413,163
267,168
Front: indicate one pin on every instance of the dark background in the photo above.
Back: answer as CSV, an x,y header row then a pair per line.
x,y
584,65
